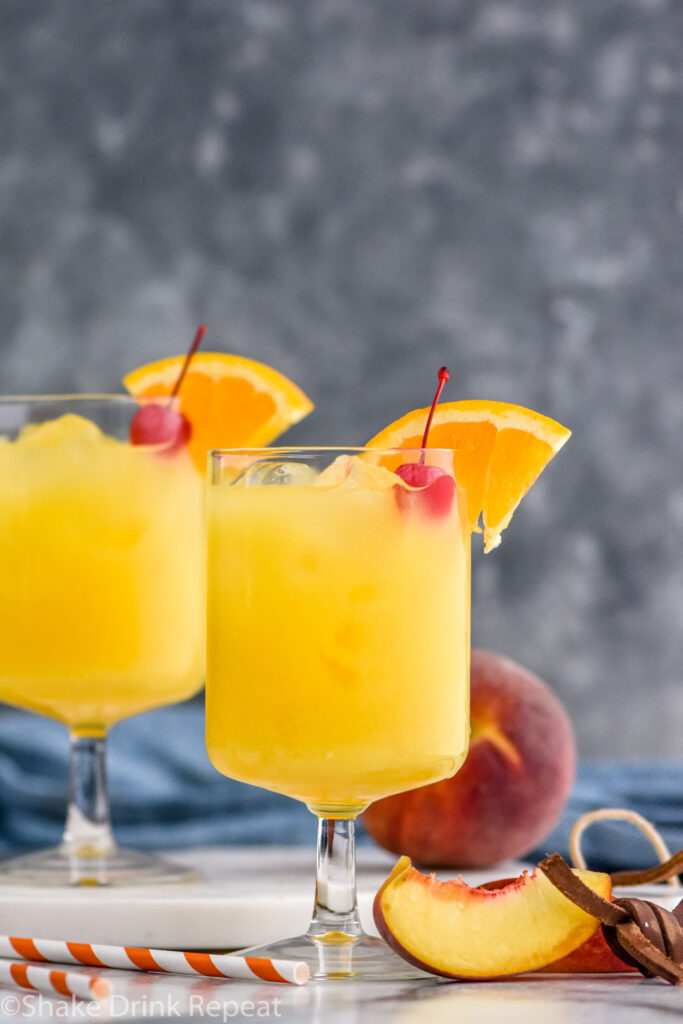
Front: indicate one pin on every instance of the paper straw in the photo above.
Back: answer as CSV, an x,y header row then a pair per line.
x,y
170,961
44,979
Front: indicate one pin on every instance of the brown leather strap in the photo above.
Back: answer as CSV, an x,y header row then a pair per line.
x,y
639,931
660,873
570,885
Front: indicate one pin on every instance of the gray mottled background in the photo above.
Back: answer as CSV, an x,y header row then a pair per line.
x,y
358,191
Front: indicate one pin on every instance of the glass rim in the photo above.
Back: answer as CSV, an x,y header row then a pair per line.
x,y
281,449
72,397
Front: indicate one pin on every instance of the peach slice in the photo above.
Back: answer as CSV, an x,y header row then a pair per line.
x,y
451,929
593,956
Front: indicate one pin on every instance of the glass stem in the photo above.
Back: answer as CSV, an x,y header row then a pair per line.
x,y
336,909
88,826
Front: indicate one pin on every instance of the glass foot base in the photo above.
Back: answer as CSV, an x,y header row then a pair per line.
x,y
60,866
336,957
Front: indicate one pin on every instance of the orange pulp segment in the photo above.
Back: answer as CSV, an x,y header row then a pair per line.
x,y
231,401
499,450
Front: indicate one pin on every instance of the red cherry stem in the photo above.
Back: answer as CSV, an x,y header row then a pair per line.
x,y
201,331
444,375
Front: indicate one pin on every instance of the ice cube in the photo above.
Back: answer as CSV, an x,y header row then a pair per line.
x,y
336,473
278,474
356,471
370,476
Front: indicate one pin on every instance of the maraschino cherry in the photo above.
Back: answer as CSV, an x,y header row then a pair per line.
x,y
161,424
436,486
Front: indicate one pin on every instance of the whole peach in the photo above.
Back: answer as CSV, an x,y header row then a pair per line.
x,y
510,790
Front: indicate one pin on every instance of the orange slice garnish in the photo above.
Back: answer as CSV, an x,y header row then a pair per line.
x,y
231,401
499,450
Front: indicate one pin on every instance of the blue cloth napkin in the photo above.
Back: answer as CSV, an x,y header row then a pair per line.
x,y
165,793
653,788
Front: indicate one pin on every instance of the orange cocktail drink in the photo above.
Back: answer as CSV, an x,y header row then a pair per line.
x,y
338,637
337,649
101,603
101,611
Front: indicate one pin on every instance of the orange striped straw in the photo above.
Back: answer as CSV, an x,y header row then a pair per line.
x,y
44,979
167,961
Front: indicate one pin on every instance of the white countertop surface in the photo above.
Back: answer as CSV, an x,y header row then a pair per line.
x,y
257,894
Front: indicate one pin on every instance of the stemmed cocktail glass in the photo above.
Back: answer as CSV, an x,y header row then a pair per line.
x,y
101,602
338,651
